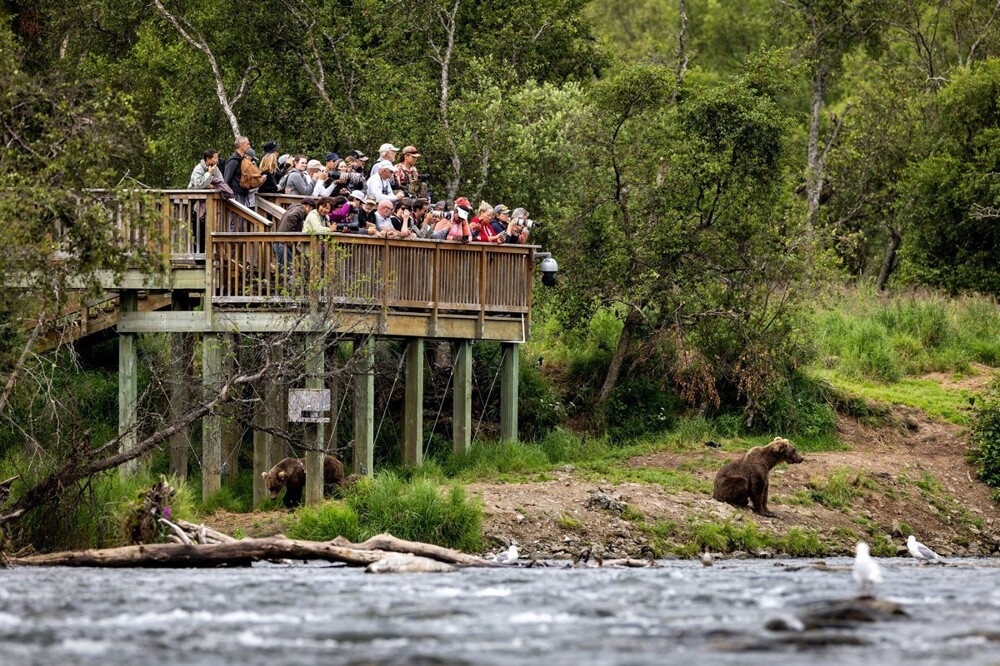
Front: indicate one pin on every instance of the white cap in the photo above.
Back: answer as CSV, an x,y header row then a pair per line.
x,y
462,213
359,195
386,147
314,164
384,164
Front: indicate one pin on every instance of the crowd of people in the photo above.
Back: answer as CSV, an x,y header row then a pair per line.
x,y
392,201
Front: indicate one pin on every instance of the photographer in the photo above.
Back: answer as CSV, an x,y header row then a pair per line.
x,y
411,181
518,229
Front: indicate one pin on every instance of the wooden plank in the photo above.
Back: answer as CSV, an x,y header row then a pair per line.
x,y
413,405
231,430
128,385
211,425
364,407
315,439
462,393
508,392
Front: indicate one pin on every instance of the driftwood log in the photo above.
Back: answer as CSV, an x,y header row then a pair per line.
x,y
387,542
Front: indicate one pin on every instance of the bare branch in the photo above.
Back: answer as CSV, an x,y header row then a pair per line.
x,y
986,29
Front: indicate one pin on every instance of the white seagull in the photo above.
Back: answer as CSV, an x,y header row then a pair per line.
x,y
920,551
866,570
508,556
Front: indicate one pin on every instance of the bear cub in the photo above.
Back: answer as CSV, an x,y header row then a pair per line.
x,y
745,480
290,474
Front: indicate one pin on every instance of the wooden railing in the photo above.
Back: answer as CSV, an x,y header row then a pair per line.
x,y
241,253
366,271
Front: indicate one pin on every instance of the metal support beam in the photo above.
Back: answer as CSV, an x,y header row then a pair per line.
x,y
364,407
413,407
128,384
211,425
315,438
462,410
508,392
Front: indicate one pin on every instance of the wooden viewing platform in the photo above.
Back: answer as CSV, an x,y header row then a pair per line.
x,y
221,276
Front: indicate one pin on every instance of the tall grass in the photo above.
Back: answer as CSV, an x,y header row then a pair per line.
x,y
417,509
870,336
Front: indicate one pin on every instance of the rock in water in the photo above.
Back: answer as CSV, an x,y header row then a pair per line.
x,y
404,563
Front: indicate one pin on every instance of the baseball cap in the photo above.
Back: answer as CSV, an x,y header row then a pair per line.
x,y
370,199
309,201
500,209
411,150
358,155
283,158
358,194
314,164
384,164
386,147
331,157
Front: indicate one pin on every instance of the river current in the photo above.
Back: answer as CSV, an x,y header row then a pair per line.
x,y
679,613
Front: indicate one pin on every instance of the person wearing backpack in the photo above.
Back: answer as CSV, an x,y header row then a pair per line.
x,y
233,175
251,178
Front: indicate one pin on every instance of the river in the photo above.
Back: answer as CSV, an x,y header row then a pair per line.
x,y
677,613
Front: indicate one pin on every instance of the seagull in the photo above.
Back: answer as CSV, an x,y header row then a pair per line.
x,y
508,556
920,551
707,559
866,570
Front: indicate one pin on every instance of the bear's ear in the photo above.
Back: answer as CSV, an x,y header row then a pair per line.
x,y
282,474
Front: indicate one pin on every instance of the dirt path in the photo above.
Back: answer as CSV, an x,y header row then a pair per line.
x,y
908,478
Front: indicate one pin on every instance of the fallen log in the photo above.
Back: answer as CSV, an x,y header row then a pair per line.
x,y
179,555
387,542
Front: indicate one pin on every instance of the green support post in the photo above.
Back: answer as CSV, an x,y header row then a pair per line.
x,y
231,431
462,410
128,385
508,392
315,439
413,407
211,425
364,407
181,349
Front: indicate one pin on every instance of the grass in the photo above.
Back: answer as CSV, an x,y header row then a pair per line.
x,y
924,394
730,536
841,488
414,509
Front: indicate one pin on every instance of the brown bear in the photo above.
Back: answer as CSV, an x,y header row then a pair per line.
x,y
745,480
290,474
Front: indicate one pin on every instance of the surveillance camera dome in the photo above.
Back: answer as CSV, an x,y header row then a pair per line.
x,y
549,267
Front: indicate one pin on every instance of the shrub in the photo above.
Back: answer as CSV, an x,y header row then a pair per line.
x,y
985,439
416,510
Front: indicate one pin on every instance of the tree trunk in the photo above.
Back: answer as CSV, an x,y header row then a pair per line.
x,y
890,258
617,361
814,160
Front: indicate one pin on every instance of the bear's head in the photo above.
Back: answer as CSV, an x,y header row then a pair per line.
x,y
786,452
274,482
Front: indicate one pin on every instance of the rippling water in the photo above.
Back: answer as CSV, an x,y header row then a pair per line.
x,y
679,613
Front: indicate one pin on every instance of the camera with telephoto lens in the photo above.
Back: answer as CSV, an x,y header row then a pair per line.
x,y
422,177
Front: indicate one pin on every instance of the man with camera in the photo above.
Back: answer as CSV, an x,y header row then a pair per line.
x,y
381,184
411,181
518,229
386,152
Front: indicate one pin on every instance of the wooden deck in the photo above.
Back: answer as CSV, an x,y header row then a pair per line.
x,y
227,257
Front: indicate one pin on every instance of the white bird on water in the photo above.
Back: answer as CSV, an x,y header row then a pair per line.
x,y
508,556
920,551
866,570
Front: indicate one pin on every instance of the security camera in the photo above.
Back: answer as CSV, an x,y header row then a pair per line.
x,y
549,269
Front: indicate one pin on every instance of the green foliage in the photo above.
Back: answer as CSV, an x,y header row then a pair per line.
x,y
985,438
841,488
417,510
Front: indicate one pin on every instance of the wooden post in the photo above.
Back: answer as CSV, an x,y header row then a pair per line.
x,y
128,384
413,408
231,431
364,407
261,448
333,362
211,424
276,408
314,432
462,410
180,394
508,392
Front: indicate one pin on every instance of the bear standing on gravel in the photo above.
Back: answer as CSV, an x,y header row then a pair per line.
x,y
746,480
290,474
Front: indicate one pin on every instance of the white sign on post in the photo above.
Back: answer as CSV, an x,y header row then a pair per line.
x,y
309,405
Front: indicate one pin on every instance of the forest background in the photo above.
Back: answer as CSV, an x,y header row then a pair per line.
x,y
716,179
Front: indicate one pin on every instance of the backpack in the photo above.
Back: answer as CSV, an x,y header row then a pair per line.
x,y
249,174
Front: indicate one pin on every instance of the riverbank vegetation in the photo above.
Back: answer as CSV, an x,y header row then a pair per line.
x,y
769,217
